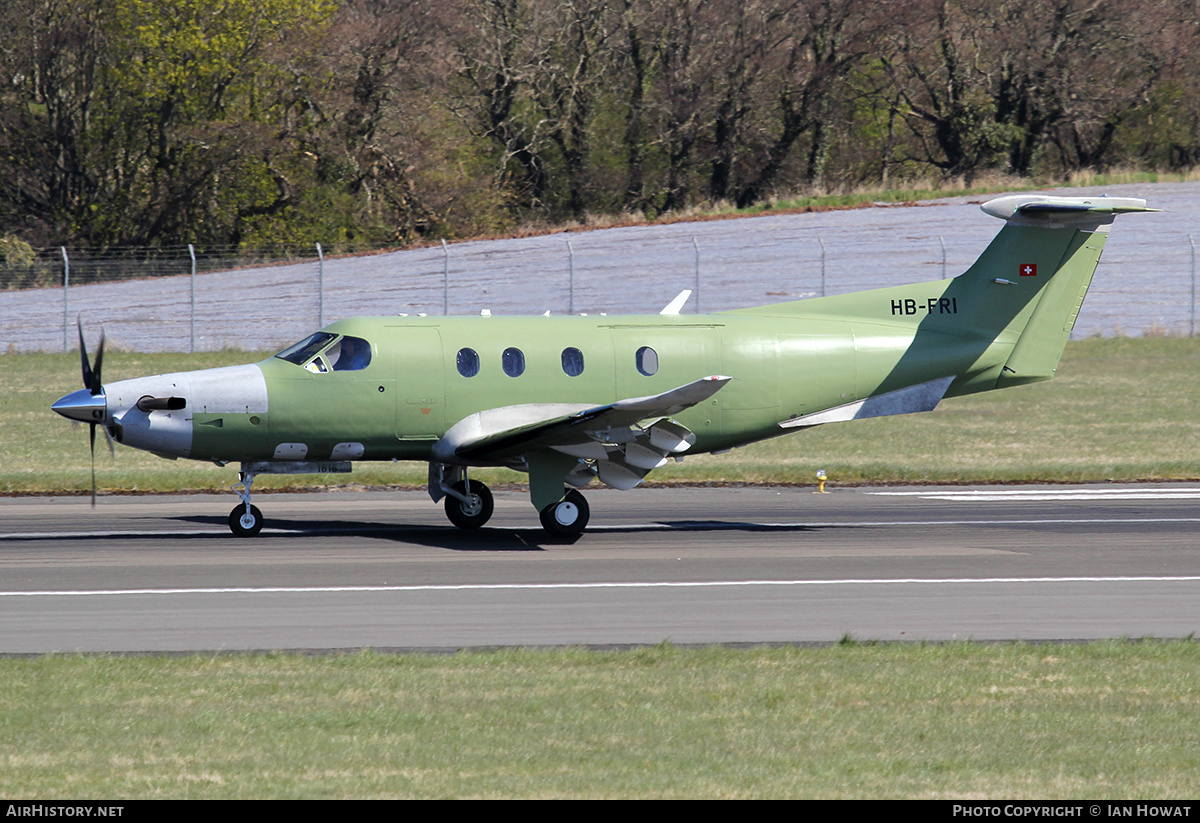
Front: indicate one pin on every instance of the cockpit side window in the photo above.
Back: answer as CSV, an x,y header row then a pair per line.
x,y
302,352
349,354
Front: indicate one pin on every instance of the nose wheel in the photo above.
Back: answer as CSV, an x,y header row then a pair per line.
x,y
245,520
245,523
567,518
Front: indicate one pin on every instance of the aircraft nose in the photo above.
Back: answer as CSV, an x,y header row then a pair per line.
x,y
83,406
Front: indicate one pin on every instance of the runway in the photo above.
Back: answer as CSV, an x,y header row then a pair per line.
x,y
347,570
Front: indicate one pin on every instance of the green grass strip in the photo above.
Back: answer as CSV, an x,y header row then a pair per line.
x,y
1113,720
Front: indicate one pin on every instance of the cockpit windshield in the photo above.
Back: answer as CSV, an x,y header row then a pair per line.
x,y
319,353
302,352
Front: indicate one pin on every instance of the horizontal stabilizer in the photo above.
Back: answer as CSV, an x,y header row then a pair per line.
x,y
1043,210
919,398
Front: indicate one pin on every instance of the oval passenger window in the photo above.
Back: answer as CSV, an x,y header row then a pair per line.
x,y
513,361
468,362
647,360
572,361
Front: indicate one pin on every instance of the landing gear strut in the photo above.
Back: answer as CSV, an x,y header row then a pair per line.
x,y
567,518
469,504
245,520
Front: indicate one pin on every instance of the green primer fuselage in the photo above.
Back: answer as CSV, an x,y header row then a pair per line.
x,y
786,360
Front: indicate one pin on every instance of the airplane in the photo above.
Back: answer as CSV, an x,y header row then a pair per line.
x,y
569,400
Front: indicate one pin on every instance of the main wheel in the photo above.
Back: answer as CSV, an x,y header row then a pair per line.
x,y
245,524
568,517
473,513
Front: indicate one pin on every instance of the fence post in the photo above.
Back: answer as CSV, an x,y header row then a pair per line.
x,y
66,288
320,287
1192,242
822,242
571,263
445,279
192,255
696,248
942,241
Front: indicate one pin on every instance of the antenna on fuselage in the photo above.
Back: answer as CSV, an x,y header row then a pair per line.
x,y
676,305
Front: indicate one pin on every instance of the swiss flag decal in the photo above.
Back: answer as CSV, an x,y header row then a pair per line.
x,y
1029,270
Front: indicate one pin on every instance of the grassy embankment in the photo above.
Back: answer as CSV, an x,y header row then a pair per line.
x,y
907,191
1111,720
1121,409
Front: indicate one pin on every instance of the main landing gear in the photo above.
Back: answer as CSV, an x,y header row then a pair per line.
x,y
567,518
469,505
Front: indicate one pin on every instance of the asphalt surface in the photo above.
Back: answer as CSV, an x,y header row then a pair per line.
x,y
347,570
1144,282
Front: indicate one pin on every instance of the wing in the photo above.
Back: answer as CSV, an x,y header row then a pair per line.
x,y
621,442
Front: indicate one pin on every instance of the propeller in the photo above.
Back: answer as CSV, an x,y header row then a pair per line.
x,y
92,382
88,405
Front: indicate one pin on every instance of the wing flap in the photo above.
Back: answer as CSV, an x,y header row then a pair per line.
x,y
495,435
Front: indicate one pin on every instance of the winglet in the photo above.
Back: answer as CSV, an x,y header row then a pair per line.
x,y
676,305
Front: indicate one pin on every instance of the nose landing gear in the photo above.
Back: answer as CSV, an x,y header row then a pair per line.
x,y
245,520
245,523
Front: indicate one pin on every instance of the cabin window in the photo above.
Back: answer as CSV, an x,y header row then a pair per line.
x,y
513,361
647,360
468,362
349,354
572,361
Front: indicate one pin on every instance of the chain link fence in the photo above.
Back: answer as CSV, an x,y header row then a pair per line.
x,y
192,299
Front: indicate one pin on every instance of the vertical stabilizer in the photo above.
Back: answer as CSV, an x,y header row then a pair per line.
x,y
1043,260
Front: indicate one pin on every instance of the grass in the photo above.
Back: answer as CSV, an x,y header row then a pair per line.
x,y
852,197
1121,409
916,190
1112,720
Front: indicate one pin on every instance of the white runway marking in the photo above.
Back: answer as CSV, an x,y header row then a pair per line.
x,y
904,581
1009,495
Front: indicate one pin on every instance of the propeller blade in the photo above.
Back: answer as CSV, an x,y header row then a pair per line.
x,y
92,437
83,358
97,385
110,440
91,377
